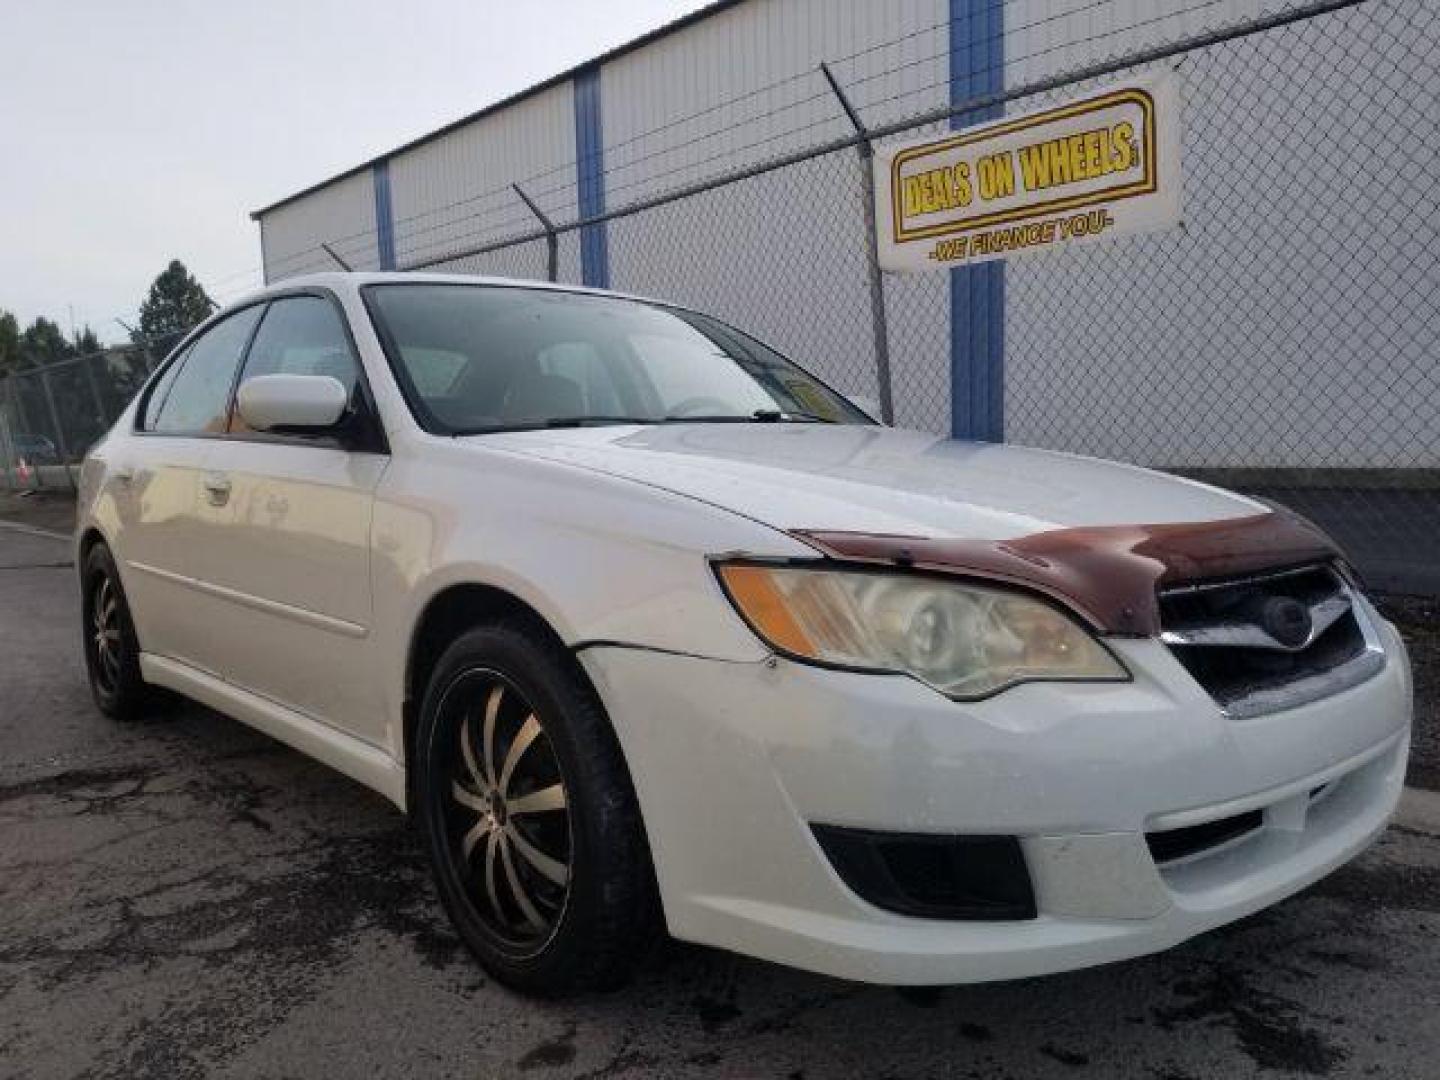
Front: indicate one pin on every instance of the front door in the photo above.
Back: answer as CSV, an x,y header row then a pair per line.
x,y
286,556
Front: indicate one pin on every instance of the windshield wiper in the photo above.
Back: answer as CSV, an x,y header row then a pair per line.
x,y
772,416
547,423
759,416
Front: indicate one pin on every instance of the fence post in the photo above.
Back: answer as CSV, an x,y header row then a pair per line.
x,y
22,416
552,242
61,443
331,252
878,323
7,441
95,397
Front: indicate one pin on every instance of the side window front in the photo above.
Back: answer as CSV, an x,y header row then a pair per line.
x,y
302,335
199,396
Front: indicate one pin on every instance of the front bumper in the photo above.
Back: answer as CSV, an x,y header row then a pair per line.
x,y
733,762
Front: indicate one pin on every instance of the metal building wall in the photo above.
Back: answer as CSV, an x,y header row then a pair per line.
x,y
341,213
722,251
455,190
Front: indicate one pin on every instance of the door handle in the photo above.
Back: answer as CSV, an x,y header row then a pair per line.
x,y
217,488
124,473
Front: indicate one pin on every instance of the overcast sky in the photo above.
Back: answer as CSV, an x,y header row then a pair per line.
x,y
133,132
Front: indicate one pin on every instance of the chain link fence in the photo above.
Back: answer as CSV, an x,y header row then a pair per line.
x,y
51,415
1285,340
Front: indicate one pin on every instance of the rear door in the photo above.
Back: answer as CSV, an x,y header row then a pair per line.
x,y
157,488
287,556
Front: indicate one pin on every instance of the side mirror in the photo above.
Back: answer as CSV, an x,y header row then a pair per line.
x,y
292,402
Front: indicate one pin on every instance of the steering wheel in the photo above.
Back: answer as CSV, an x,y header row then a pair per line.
x,y
711,405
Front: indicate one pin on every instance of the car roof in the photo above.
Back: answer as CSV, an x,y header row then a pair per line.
x,y
353,280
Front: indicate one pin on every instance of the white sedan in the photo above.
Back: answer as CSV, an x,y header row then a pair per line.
x,y
647,627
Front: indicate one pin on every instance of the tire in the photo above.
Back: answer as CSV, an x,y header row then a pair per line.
x,y
112,651
538,853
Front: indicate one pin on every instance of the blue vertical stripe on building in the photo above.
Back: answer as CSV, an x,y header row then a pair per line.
x,y
977,293
590,179
384,216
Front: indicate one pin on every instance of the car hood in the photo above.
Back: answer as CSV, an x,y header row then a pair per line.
x,y
879,480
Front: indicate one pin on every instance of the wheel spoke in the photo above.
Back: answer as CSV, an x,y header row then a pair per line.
x,y
492,709
523,738
467,751
553,869
474,836
517,889
548,798
469,799
492,847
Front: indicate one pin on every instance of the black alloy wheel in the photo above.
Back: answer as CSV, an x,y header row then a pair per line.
x,y
112,652
507,817
533,828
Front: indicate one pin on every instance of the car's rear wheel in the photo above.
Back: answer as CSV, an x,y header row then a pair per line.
x,y
112,652
531,822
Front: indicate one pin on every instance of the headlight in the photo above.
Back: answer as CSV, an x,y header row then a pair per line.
x,y
965,640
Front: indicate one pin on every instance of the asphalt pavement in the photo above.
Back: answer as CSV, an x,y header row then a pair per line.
x,y
182,897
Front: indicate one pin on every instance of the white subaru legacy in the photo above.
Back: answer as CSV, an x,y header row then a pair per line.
x,y
647,627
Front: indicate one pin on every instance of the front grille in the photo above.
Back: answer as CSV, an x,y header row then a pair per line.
x,y
1242,643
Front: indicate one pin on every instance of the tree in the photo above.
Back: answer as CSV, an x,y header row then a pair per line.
x,y
87,342
9,343
43,342
176,303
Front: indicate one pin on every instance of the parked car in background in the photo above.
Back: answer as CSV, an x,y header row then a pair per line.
x,y
648,627
35,450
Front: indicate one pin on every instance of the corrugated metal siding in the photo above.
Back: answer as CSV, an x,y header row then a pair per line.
x,y
455,191
342,215
781,254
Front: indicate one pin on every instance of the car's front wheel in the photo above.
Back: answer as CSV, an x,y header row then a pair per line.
x,y
530,818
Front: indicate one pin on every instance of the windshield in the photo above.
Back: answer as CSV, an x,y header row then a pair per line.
x,y
477,358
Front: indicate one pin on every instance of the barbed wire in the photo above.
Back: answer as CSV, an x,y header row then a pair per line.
x,y
505,197
499,230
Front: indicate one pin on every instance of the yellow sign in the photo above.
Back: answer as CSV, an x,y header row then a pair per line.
x,y
1098,167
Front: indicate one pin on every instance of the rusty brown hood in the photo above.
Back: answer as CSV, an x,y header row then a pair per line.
x,y
1108,575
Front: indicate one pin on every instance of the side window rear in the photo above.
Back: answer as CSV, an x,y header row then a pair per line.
x,y
199,396
161,392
